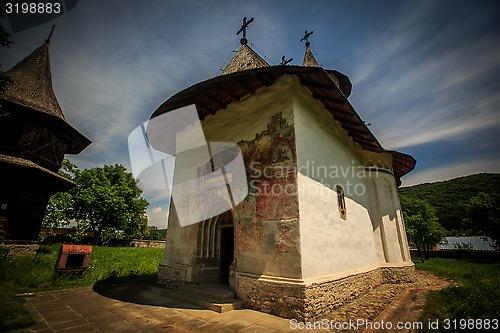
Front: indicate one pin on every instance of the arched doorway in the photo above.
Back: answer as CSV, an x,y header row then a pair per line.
x,y
226,228
216,248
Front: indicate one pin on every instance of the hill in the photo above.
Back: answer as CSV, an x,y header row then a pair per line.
x,y
449,197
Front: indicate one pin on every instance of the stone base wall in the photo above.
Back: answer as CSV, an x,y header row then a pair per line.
x,y
309,302
278,298
172,275
148,243
20,249
322,298
403,274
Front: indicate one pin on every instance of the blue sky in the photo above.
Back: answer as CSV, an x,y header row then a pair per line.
x,y
425,74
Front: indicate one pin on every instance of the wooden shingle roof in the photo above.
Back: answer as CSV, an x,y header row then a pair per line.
x,y
32,84
245,58
32,95
309,59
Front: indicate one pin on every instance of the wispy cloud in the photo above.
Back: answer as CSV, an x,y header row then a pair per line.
x,y
423,84
450,171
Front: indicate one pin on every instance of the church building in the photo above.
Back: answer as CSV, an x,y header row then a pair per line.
x,y
322,222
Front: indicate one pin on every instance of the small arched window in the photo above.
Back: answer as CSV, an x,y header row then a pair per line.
x,y
341,202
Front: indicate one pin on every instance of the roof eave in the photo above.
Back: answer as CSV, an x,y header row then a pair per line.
x,y
212,95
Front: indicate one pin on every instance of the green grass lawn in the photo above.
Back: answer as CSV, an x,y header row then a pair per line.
x,y
477,297
36,273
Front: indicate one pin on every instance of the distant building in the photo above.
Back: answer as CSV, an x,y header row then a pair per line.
x,y
475,243
34,137
335,233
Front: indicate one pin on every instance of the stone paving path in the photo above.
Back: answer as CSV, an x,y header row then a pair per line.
x,y
137,308
390,303
142,308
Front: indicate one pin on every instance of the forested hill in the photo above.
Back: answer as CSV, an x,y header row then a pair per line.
x,y
449,197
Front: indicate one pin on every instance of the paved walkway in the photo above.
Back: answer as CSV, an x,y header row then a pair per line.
x,y
142,308
137,308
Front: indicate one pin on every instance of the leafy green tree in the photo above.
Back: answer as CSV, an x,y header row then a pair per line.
x,y
109,200
105,201
450,197
60,207
483,215
137,230
153,233
422,226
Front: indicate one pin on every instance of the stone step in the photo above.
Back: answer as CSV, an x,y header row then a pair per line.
x,y
213,291
208,300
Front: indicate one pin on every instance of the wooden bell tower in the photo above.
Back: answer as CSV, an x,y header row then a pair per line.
x,y
34,137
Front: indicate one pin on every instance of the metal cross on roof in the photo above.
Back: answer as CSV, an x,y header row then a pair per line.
x,y
306,37
50,36
285,61
243,29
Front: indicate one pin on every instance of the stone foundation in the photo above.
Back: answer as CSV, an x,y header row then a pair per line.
x,y
280,298
148,243
172,275
402,274
322,298
20,248
314,301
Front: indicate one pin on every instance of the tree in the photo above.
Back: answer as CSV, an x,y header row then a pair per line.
x,y
4,41
60,207
422,225
483,215
153,233
450,197
108,199
105,201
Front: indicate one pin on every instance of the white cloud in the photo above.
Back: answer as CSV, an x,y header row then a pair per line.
x,y
430,97
429,132
157,217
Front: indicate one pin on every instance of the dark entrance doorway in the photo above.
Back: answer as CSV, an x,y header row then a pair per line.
x,y
226,252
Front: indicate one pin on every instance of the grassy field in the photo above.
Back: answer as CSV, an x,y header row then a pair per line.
x,y
36,273
477,297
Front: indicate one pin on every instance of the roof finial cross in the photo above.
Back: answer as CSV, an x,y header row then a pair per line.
x,y
243,29
285,61
47,41
306,37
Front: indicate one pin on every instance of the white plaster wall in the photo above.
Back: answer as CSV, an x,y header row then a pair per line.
x,y
242,120
388,224
181,242
330,245
376,219
399,216
402,253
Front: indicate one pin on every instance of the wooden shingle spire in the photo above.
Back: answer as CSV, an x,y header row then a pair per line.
x,y
309,59
32,84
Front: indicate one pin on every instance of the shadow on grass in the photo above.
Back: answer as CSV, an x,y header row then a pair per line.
x,y
138,289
